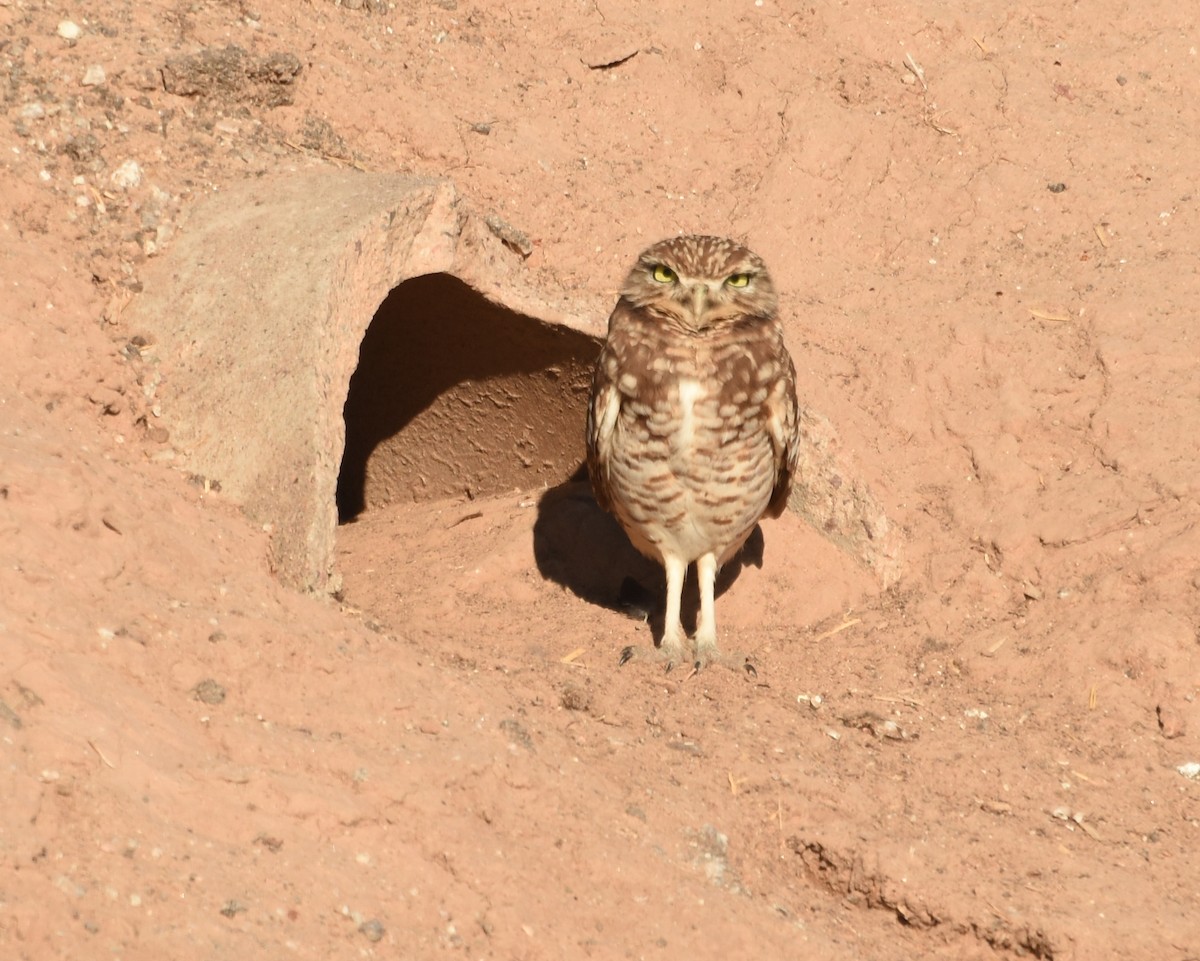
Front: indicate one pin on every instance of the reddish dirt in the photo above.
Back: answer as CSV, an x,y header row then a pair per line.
x,y
990,275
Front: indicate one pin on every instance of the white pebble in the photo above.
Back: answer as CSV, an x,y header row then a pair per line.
x,y
127,176
69,30
33,111
1190,769
94,76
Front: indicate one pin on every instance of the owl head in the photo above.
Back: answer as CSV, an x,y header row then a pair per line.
x,y
699,283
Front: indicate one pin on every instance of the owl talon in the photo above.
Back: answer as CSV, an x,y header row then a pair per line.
x,y
750,669
628,655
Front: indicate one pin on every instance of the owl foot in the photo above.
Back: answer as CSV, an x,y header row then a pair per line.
x,y
669,651
736,661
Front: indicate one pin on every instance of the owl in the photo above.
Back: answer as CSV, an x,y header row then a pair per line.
x,y
691,427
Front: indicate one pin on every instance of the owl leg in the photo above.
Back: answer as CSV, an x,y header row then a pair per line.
x,y
673,634
671,648
706,627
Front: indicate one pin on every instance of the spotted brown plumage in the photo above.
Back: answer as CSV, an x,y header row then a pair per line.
x,y
691,431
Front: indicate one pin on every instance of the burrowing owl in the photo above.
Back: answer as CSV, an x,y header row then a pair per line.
x,y
691,430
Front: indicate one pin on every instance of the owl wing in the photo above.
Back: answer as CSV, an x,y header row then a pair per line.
x,y
603,410
783,426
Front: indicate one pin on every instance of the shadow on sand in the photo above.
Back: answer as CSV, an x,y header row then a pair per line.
x,y
583,548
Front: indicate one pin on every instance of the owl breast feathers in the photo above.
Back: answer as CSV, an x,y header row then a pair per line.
x,y
691,433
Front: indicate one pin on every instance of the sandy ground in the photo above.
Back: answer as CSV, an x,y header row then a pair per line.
x,y
984,226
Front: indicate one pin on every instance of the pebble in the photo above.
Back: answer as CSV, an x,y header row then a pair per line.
x,y
94,76
127,176
33,111
1170,722
69,30
373,930
1190,770
209,692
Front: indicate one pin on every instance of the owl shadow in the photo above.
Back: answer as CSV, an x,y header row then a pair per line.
x,y
584,549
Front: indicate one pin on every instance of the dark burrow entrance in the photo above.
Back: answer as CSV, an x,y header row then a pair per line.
x,y
454,395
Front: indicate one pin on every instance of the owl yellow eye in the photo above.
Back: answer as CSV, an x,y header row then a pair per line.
x,y
664,274
737,280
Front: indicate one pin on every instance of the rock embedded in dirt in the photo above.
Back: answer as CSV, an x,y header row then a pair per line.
x,y
575,698
231,73
372,930
1170,722
82,148
9,715
127,176
209,692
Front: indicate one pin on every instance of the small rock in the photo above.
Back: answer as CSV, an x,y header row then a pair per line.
x,y
372,930
1190,770
1170,722
94,76
82,148
8,714
515,240
33,111
209,691
69,30
108,399
883,728
127,176
575,698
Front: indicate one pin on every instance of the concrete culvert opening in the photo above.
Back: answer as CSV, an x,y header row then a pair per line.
x,y
455,395
278,293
